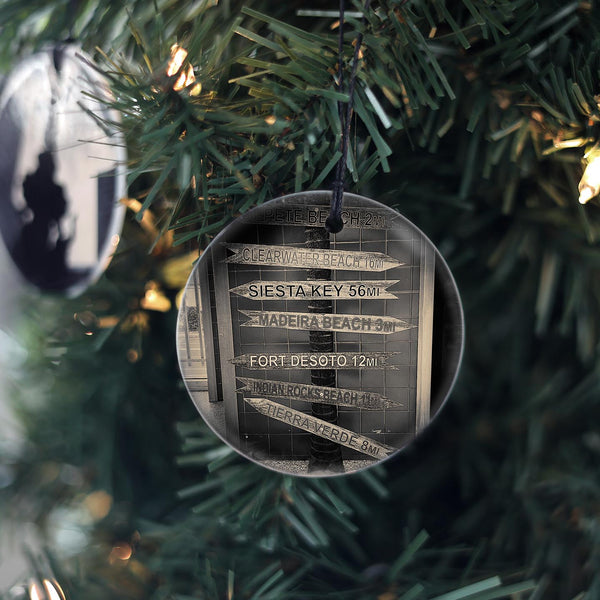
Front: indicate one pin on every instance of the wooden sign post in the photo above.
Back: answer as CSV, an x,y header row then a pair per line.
x,y
315,216
315,290
317,360
325,322
310,258
325,454
317,393
321,428
315,349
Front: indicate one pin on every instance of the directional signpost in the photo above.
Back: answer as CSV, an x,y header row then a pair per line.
x,y
315,216
319,290
310,258
317,360
321,428
325,322
330,335
315,393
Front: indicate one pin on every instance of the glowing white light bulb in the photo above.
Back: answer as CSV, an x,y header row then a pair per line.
x,y
53,590
186,77
589,186
34,592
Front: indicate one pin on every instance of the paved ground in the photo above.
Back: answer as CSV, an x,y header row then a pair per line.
x,y
299,467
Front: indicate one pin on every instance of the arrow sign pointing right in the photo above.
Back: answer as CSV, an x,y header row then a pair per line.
x,y
323,429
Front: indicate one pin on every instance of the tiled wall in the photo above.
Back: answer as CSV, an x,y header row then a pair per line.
x,y
394,426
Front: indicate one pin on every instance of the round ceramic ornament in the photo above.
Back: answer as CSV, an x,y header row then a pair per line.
x,y
319,354
62,173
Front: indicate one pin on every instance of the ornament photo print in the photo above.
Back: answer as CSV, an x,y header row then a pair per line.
x,y
62,170
319,354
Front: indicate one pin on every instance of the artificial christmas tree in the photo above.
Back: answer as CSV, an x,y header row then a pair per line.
x,y
470,117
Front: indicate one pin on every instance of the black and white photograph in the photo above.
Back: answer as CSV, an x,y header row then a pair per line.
x,y
314,355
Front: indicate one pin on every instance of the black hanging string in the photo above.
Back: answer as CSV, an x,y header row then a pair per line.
x,y
334,223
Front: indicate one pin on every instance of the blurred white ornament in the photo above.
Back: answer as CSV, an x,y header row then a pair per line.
x,y
589,186
62,170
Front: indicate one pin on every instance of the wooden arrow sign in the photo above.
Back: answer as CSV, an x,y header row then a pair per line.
x,y
310,258
325,322
315,393
315,216
323,429
309,290
316,360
